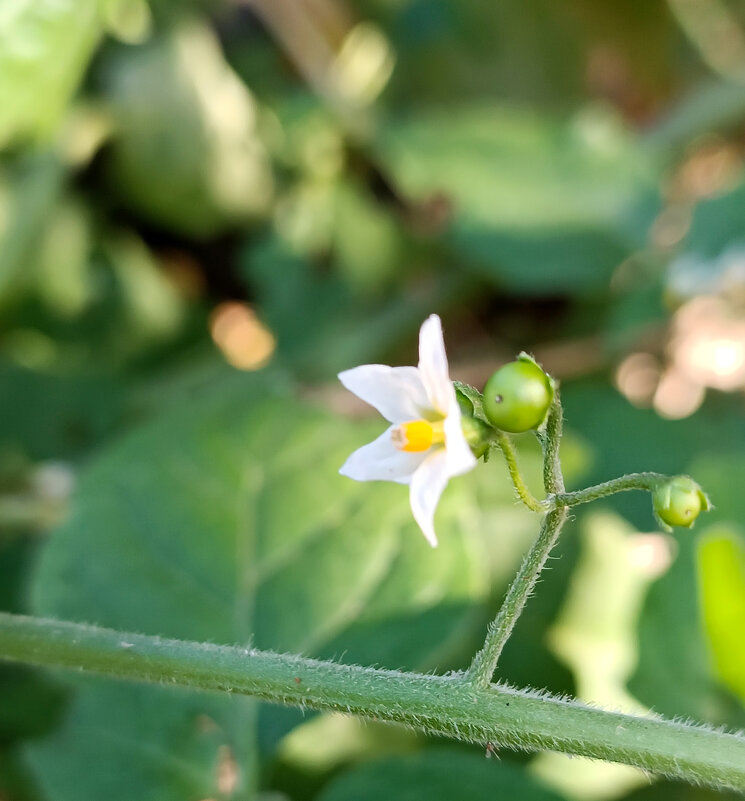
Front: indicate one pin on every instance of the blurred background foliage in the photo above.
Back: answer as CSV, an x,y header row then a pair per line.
x,y
207,208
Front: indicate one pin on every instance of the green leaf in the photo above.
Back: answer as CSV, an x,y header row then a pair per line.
x,y
321,325
44,47
227,521
717,222
721,576
537,206
48,416
672,645
671,638
437,775
186,152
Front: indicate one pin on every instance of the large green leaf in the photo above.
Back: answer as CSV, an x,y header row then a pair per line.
x,y
537,206
227,521
438,775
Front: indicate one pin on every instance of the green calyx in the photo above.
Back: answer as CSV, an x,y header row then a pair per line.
x,y
517,397
679,501
477,429
478,434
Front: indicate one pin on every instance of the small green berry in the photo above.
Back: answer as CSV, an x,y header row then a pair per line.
x,y
517,396
679,501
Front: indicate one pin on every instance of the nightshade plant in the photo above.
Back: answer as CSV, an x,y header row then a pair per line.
x,y
438,430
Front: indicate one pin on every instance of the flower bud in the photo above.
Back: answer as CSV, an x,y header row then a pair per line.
x,y
678,501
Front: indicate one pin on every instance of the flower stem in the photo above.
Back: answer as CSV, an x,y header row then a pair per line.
x,y
632,481
445,705
484,663
507,447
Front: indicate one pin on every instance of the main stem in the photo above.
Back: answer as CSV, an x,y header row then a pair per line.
x,y
485,662
445,705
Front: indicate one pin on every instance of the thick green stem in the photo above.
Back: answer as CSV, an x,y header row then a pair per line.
x,y
632,481
510,456
485,662
445,705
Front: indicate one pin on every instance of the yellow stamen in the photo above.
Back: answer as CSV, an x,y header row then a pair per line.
x,y
418,435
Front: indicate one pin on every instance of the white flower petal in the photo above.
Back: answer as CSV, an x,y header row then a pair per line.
x,y
396,392
460,457
426,487
381,460
433,365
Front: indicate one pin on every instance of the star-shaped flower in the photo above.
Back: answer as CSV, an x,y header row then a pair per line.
x,y
424,446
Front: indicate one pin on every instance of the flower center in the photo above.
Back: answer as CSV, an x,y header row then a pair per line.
x,y
418,435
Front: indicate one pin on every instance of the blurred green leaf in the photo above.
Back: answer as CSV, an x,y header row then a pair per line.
x,y
674,675
671,638
29,188
537,206
721,575
44,48
440,774
321,324
185,151
716,222
228,522
47,416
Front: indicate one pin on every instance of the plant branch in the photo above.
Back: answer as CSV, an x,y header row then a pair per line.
x,y
445,705
632,481
484,663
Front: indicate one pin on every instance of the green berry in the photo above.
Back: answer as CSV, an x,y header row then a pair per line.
x,y
679,501
517,396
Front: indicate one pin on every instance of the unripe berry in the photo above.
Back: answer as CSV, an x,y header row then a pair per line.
x,y
679,501
517,396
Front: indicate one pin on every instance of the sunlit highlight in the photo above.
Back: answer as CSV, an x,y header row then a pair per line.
x,y
708,346
243,339
637,378
676,396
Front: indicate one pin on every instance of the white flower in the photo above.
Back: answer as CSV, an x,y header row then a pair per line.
x,y
425,446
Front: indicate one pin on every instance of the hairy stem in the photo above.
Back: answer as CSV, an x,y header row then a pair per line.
x,y
445,705
484,663
632,481
550,439
507,447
